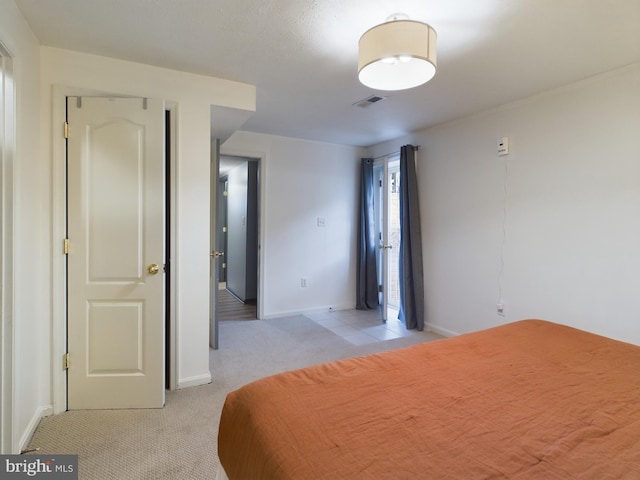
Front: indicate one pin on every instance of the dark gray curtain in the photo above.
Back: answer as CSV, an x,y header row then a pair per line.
x,y
411,267
367,281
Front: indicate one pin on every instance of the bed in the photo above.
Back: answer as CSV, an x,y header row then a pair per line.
x,y
527,400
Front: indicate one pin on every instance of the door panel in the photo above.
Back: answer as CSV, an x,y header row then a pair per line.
x,y
380,215
387,223
393,236
115,323
116,233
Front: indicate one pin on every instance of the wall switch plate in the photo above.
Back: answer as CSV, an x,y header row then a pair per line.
x,y
500,309
321,222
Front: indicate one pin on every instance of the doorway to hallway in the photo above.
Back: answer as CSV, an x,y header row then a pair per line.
x,y
237,238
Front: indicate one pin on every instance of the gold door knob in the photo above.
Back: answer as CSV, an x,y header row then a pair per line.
x,y
153,268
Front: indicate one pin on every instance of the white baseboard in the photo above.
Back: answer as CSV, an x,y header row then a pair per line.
x,y
43,411
328,308
194,381
441,330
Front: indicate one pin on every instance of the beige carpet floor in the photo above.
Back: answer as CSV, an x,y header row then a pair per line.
x,y
179,440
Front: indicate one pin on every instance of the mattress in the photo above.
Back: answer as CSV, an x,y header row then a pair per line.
x,y
527,400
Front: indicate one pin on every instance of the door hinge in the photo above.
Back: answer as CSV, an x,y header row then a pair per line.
x,y
224,229
66,362
224,265
66,246
66,130
225,194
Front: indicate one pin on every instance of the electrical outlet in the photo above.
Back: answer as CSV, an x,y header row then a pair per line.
x,y
304,282
500,307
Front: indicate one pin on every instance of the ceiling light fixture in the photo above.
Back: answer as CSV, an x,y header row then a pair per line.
x,y
397,54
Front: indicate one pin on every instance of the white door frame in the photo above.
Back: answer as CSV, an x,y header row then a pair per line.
x,y
214,260
381,212
59,269
8,443
383,244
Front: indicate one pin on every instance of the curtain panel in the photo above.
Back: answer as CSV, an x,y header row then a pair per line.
x,y
367,277
411,266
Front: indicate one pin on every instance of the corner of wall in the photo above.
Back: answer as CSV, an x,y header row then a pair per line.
x,y
25,439
194,381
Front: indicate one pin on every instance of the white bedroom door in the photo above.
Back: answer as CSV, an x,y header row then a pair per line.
x,y
116,219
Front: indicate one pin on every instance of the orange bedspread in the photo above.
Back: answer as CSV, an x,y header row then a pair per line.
x,y
528,400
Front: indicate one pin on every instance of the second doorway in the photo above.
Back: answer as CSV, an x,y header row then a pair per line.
x,y
237,227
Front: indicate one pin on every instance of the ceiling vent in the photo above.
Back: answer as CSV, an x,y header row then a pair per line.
x,y
367,102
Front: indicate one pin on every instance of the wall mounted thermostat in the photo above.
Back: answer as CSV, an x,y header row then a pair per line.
x,y
503,146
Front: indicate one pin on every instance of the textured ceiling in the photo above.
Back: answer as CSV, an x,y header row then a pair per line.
x,y
302,54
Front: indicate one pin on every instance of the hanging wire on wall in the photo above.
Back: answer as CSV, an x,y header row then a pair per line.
x,y
500,301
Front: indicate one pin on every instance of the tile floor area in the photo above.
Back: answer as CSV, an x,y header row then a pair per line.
x,y
360,327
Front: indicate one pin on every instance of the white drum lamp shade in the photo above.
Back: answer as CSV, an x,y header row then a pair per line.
x,y
397,55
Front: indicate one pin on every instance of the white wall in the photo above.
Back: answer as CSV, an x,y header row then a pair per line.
x,y
572,230
236,256
32,270
302,181
194,95
32,256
